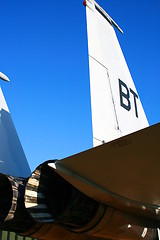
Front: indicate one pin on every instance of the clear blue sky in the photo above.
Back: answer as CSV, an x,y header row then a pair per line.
x,y
43,50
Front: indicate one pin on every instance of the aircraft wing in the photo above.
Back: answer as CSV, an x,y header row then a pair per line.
x,y
121,173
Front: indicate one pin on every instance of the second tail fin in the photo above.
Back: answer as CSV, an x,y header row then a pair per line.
x,y
12,157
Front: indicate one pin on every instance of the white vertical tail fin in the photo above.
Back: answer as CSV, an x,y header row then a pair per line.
x,y
116,107
12,157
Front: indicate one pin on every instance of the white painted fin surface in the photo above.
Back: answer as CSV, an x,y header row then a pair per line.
x,y
12,157
116,106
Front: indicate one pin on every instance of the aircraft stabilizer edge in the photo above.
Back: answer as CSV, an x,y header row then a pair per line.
x,y
4,77
108,192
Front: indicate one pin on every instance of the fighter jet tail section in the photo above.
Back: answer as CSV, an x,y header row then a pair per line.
x,y
108,192
12,157
116,106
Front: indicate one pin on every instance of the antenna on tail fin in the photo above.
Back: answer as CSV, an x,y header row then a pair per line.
x,y
102,12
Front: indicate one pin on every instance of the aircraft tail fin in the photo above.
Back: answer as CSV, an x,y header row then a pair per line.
x,y
12,158
116,107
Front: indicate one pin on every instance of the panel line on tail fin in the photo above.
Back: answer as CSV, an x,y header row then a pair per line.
x,y
117,127
116,117
114,106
